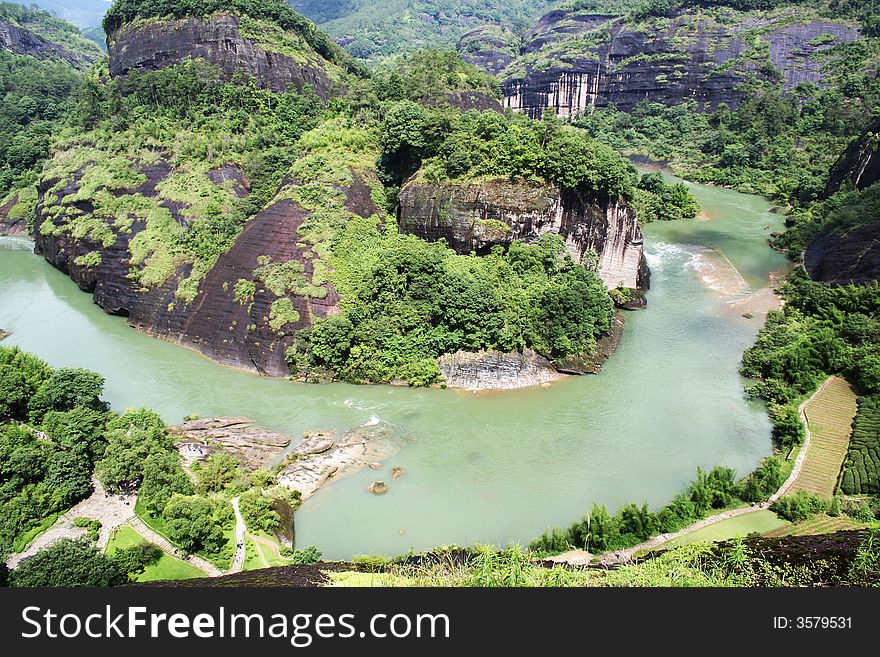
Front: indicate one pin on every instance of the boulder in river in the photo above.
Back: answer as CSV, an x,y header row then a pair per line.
x,y
378,488
397,472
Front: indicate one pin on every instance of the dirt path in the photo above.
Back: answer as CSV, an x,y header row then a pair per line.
x,y
577,557
240,529
112,510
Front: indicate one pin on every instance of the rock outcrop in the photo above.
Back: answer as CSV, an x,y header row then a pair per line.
x,y
844,256
23,41
859,166
255,447
229,43
475,216
494,370
234,328
573,60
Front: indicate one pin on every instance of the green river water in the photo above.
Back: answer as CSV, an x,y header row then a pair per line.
x,y
480,467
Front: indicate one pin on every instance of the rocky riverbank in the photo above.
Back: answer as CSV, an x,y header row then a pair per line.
x,y
320,457
493,370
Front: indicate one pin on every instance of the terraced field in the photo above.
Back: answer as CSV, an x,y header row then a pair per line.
x,y
819,525
829,418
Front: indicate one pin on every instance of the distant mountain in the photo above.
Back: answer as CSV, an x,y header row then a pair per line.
x,y
372,29
84,13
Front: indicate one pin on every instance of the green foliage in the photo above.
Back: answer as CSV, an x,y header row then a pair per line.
x,y
273,11
66,389
429,77
656,200
777,143
44,470
131,439
163,477
599,531
487,144
219,473
257,511
307,556
134,559
69,563
36,97
821,330
861,470
374,30
407,301
194,523
800,506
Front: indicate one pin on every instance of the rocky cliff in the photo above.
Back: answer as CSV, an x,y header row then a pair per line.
x,y
34,41
859,166
475,216
236,44
845,255
572,60
241,316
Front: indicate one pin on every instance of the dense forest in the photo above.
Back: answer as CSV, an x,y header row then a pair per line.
x,y
56,433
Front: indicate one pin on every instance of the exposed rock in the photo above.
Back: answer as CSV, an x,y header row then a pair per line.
x,y
496,370
397,472
22,41
853,256
844,258
474,100
314,442
152,45
478,215
235,332
254,446
375,465
573,60
4,334
378,488
489,47
356,449
859,166
12,220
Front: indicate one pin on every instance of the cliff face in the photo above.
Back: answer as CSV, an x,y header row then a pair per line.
x,y
234,44
476,216
851,256
859,166
23,41
235,324
574,60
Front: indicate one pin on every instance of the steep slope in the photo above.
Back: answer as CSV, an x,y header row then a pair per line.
x,y
84,13
477,215
276,46
847,249
34,32
373,29
572,60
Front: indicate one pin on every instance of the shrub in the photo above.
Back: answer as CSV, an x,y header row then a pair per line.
x,y
800,506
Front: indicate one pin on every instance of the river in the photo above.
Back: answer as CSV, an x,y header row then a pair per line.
x,y
481,467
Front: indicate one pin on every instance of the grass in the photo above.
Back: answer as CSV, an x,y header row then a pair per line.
x,y
759,522
830,415
259,555
22,541
821,524
167,568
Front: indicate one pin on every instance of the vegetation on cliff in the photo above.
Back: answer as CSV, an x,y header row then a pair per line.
x,y
277,12
51,28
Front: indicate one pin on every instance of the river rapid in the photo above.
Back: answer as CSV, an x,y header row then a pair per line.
x,y
488,467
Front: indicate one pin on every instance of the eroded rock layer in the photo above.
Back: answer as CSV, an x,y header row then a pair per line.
x,y
573,60
152,45
475,216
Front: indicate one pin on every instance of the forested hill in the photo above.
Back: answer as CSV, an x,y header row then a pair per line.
x,y
82,13
35,32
